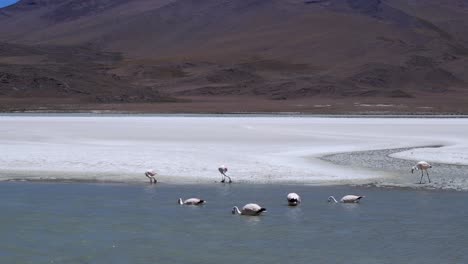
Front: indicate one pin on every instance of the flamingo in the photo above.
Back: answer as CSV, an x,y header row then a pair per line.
x,y
347,199
223,169
150,174
293,199
249,209
422,166
191,201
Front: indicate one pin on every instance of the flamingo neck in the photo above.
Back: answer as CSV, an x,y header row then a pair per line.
x,y
332,199
180,201
235,210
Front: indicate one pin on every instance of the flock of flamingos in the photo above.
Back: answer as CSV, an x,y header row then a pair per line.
x,y
293,199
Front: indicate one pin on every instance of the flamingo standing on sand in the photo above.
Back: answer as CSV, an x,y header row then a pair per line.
x,y
150,174
223,169
346,199
293,199
249,209
422,166
191,201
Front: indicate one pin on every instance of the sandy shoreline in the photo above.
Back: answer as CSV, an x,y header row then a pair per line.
x,y
257,149
444,175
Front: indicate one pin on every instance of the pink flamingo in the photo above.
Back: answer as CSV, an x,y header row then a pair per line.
x,y
223,169
150,174
422,166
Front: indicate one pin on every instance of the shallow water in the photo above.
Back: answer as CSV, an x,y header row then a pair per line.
x,y
139,223
443,176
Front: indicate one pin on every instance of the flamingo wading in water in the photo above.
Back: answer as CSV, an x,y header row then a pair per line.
x,y
422,166
293,199
150,174
249,209
191,201
347,199
223,169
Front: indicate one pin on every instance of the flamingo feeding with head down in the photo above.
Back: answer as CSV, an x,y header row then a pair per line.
x,y
422,166
347,199
249,209
150,174
191,201
223,169
293,199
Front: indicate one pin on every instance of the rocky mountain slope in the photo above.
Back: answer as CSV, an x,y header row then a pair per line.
x,y
122,51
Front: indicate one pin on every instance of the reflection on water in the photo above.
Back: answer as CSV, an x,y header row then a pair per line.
x,y
225,189
294,214
252,220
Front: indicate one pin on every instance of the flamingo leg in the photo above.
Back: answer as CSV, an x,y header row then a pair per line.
x,y
149,177
422,175
427,173
223,177
230,181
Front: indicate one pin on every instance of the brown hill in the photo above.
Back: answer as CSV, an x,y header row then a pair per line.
x,y
395,52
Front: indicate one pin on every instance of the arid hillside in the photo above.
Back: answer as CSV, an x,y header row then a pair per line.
x,y
317,56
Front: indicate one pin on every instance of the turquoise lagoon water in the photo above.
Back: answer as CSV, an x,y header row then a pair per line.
x,y
55,222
